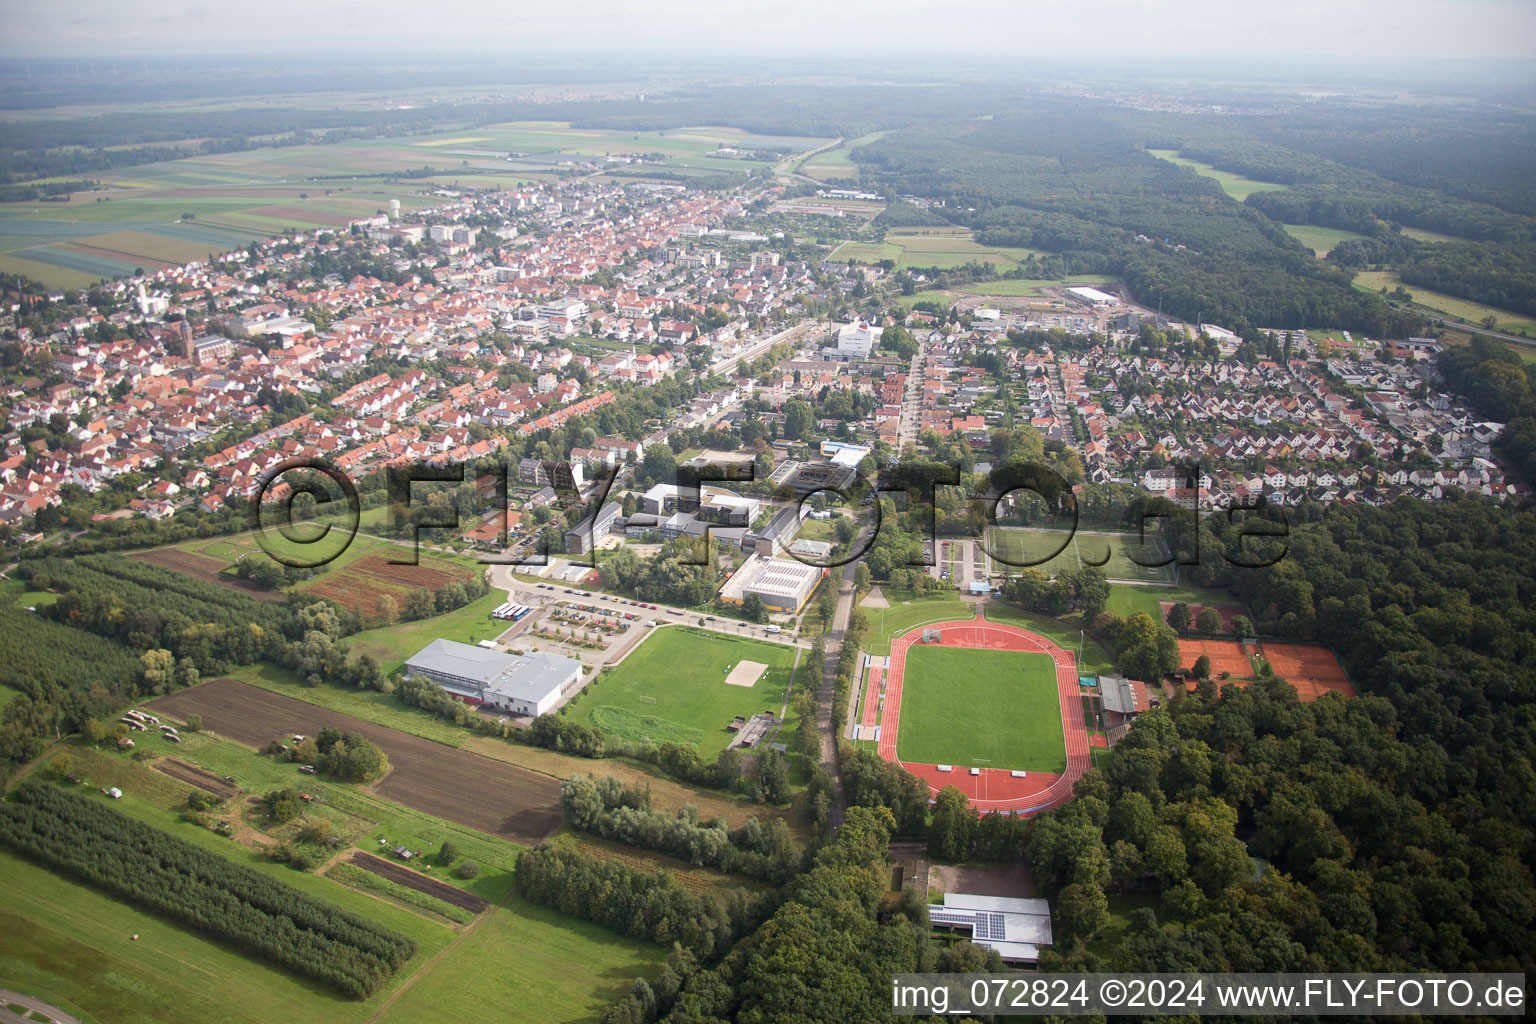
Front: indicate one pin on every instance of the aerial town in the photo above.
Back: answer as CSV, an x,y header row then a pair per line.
x,y
799,539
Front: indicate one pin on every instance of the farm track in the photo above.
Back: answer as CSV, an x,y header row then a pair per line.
x,y
420,882
479,792
195,776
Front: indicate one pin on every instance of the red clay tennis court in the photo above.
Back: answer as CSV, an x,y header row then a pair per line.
x,y
1226,656
993,789
1312,669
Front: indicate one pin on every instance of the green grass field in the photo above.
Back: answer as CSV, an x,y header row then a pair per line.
x,y
1066,633
836,163
1127,601
673,687
565,970
987,709
930,250
67,939
1446,305
1234,185
907,611
1319,240
1016,547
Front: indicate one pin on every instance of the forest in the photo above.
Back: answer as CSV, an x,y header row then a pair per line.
x,y
64,676
1074,178
83,837
826,953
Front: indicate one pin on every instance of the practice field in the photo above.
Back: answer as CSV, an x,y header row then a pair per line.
x,y
991,709
675,688
1055,551
1008,790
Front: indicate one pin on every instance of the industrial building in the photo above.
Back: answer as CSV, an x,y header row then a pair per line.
x,y
1015,928
1093,297
784,584
519,684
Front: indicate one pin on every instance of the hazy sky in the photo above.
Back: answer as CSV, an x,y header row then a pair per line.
x,y
1219,29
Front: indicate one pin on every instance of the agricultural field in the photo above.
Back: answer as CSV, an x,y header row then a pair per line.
x,y
1319,240
71,942
1055,551
429,777
158,215
356,578
837,162
944,251
1446,305
672,688
1234,185
988,709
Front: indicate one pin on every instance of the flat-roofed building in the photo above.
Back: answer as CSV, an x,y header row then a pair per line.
x,y
711,504
1015,928
783,584
519,684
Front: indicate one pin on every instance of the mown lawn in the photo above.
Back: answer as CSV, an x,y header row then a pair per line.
x,y
1065,633
907,611
989,709
527,963
672,687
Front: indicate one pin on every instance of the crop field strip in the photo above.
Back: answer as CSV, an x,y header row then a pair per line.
x,y
485,794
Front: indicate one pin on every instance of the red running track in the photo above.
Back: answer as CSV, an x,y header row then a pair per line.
x,y
994,789
871,698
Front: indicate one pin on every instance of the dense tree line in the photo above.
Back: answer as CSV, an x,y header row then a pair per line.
x,y
350,755
605,807
65,676
146,606
82,837
1379,855
828,952
631,902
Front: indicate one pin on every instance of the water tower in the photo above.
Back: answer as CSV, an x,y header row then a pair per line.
x,y
394,209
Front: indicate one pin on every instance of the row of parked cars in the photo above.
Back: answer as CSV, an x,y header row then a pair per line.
x,y
602,597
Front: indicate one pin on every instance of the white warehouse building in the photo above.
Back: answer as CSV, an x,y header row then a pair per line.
x,y
519,684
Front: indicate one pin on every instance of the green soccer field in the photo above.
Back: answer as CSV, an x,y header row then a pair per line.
x,y
987,709
1014,548
672,688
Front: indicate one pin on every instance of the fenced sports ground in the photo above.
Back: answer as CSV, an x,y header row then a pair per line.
x,y
1010,680
1055,551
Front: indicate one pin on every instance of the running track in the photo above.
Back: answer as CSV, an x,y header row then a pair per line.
x,y
994,789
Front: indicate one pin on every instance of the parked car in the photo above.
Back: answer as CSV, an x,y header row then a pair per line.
x,y
309,769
